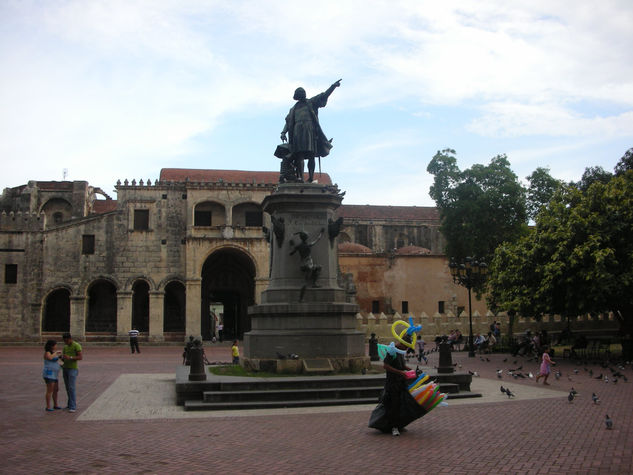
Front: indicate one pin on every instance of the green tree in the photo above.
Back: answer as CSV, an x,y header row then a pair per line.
x,y
593,175
480,207
542,187
577,260
625,163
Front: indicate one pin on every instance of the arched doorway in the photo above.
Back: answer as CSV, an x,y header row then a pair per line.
x,y
228,288
57,311
174,308
140,306
101,307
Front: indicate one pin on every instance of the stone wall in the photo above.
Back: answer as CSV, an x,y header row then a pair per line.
x,y
441,324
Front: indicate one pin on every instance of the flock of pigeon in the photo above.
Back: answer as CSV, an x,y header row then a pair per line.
x,y
610,375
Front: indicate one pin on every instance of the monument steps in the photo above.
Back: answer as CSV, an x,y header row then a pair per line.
x,y
235,393
236,405
293,394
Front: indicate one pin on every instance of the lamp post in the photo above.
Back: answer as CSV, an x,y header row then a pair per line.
x,y
468,274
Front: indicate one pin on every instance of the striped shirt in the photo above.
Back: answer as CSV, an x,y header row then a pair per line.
x,y
133,333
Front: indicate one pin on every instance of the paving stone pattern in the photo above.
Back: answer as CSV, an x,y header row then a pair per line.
x,y
521,436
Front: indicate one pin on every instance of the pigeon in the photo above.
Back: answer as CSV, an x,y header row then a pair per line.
x,y
499,373
599,377
509,393
606,380
557,375
280,356
503,390
575,371
591,372
608,422
595,398
487,359
572,390
530,375
571,396
505,360
514,362
519,368
473,373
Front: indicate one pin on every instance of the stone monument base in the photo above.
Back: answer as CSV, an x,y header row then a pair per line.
x,y
317,338
308,366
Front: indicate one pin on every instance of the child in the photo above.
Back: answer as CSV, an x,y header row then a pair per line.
x,y
235,351
545,366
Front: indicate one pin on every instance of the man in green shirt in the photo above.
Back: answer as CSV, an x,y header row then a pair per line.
x,y
71,354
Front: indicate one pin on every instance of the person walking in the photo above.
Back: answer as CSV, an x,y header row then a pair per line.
x,y
72,353
133,334
545,366
51,374
395,383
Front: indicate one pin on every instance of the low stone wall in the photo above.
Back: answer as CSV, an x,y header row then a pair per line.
x,y
442,324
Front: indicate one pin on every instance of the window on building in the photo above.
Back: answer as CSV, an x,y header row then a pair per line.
x,y
58,217
405,307
440,306
375,306
10,273
88,244
202,218
460,310
141,219
253,218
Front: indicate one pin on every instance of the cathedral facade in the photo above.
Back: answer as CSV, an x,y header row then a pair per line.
x,y
188,254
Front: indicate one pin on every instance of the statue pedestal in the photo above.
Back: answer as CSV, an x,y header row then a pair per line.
x,y
300,318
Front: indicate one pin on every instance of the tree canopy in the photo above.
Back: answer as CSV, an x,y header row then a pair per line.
x,y
578,258
480,207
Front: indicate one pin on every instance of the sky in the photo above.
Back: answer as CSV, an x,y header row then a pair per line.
x,y
102,90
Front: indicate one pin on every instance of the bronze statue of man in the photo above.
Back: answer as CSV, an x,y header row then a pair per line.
x,y
305,136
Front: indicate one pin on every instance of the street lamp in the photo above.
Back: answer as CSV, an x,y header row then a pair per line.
x,y
469,274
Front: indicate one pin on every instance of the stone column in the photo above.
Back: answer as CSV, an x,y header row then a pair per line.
x,y
194,306
123,314
78,317
156,304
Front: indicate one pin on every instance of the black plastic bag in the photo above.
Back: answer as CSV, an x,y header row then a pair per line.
x,y
410,410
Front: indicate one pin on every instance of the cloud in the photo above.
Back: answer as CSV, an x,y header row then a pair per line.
x,y
515,119
132,83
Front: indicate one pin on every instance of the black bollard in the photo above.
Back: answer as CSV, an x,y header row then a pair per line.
x,y
196,371
373,348
446,360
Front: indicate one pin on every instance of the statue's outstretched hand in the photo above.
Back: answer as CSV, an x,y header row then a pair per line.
x,y
283,138
337,83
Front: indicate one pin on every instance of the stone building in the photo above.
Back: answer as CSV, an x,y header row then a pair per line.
x,y
182,254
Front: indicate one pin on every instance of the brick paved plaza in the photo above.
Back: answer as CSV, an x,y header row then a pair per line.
x,y
529,434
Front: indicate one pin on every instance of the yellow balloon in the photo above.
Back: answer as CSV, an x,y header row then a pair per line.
x,y
400,336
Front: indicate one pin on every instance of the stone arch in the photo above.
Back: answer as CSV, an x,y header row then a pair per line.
x,y
209,213
56,211
174,307
56,310
129,284
228,288
102,306
140,305
248,213
168,280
